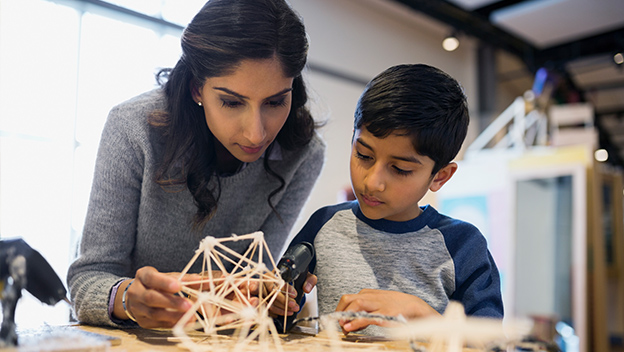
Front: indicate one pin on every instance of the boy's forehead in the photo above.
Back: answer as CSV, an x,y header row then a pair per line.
x,y
401,136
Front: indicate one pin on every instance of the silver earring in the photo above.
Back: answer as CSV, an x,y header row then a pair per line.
x,y
199,103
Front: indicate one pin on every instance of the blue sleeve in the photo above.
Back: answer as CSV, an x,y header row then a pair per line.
x,y
315,223
477,280
308,234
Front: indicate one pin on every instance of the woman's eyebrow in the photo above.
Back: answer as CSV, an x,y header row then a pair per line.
x,y
284,91
240,96
231,92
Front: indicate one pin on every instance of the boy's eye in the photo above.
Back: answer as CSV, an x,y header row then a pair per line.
x,y
230,103
362,156
401,172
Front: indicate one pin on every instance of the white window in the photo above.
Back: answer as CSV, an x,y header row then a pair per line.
x,y
63,66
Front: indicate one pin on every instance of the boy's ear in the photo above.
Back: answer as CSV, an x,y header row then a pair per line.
x,y
442,177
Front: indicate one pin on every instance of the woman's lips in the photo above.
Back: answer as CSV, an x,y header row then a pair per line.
x,y
250,150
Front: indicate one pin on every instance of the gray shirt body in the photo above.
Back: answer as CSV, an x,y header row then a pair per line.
x,y
352,255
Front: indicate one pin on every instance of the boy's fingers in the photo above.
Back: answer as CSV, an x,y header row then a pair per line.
x,y
355,325
347,303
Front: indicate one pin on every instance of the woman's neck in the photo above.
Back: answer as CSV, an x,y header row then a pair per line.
x,y
226,162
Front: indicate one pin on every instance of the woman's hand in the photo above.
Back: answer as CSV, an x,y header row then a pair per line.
x,y
278,306
389,303
152,299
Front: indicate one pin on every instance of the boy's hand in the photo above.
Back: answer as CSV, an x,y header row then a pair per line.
x,y
390,303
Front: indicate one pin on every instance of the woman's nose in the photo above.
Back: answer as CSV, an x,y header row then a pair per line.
x,y
253,129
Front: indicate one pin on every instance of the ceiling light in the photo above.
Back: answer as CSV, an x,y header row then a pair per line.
x,y
451,42
601,155
618,58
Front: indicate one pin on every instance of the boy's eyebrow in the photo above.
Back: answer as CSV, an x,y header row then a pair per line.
x,y
409,159
242,97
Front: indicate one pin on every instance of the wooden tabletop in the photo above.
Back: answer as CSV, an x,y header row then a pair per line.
x,y
95,339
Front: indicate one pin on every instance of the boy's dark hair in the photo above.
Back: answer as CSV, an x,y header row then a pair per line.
x,y
418,101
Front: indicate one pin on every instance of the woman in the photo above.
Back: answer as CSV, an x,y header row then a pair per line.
x,y
226,147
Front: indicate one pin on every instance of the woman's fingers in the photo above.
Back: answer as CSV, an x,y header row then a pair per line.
x,y
310,282
152,299
155,280
154,303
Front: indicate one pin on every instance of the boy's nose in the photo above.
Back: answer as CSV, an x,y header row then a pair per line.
x,y
375,179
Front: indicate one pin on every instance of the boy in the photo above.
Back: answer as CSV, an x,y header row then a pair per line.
x,y
383,253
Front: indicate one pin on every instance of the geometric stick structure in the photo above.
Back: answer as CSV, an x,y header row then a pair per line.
x,y
222,300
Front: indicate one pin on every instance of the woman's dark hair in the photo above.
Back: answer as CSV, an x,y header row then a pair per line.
x,y
220,36
418,101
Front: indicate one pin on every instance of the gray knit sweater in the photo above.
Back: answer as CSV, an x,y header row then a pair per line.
x,y
132,222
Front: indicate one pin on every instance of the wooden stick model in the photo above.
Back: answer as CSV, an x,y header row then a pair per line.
x,y
222,302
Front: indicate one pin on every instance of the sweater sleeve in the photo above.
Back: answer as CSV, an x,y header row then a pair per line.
x,y
477,278
110,226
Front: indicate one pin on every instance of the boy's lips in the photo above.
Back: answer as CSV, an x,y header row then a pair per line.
x,y
371,201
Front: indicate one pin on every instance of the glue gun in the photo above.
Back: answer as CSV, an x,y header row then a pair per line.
x,y
293,267
23,267
41,280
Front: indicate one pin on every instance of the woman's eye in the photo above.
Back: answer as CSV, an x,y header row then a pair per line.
x,y
230,103
277,103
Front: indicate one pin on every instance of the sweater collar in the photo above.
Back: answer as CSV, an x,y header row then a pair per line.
x,y
419,222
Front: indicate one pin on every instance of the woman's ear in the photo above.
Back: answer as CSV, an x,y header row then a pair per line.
x,y
442,177
195,92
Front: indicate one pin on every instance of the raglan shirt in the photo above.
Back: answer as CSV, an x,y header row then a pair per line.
x,y
133,222
433,256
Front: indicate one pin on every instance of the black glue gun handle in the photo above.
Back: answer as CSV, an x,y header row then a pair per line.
x,y
298,284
